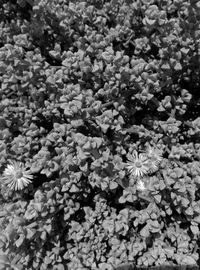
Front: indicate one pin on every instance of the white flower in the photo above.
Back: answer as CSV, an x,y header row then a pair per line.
x,y
16,176
138,164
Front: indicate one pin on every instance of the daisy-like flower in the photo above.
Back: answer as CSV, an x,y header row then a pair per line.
x,y
138,164
16,176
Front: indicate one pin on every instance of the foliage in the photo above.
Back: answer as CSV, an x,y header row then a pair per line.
x,y
87,87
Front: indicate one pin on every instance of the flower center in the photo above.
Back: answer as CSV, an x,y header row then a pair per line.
x,y
138,164
19,174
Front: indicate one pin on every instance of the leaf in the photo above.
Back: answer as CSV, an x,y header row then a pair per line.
x,y
66,63
104,127
165,66
169,251
17,267
107,57
3,237
30,213
43,235
122,199
185,202
38,206
104,185
158,198
87,145
23,204
96,68
59,267
48,228
179,172
3,261
130,198
149,22
79,138
32,225
74,188
186,96
113,185
106,266
178,67
47,260
145,231
108,225
54,54
189,211
20,241
29,233
194,229
16,259
197,219
121,228
188,260
184,50
155,226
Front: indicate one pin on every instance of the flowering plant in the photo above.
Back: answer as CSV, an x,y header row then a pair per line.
x,y
81,82
142,164
16,176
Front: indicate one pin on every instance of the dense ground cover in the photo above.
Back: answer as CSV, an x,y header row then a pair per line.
x,y
100,102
